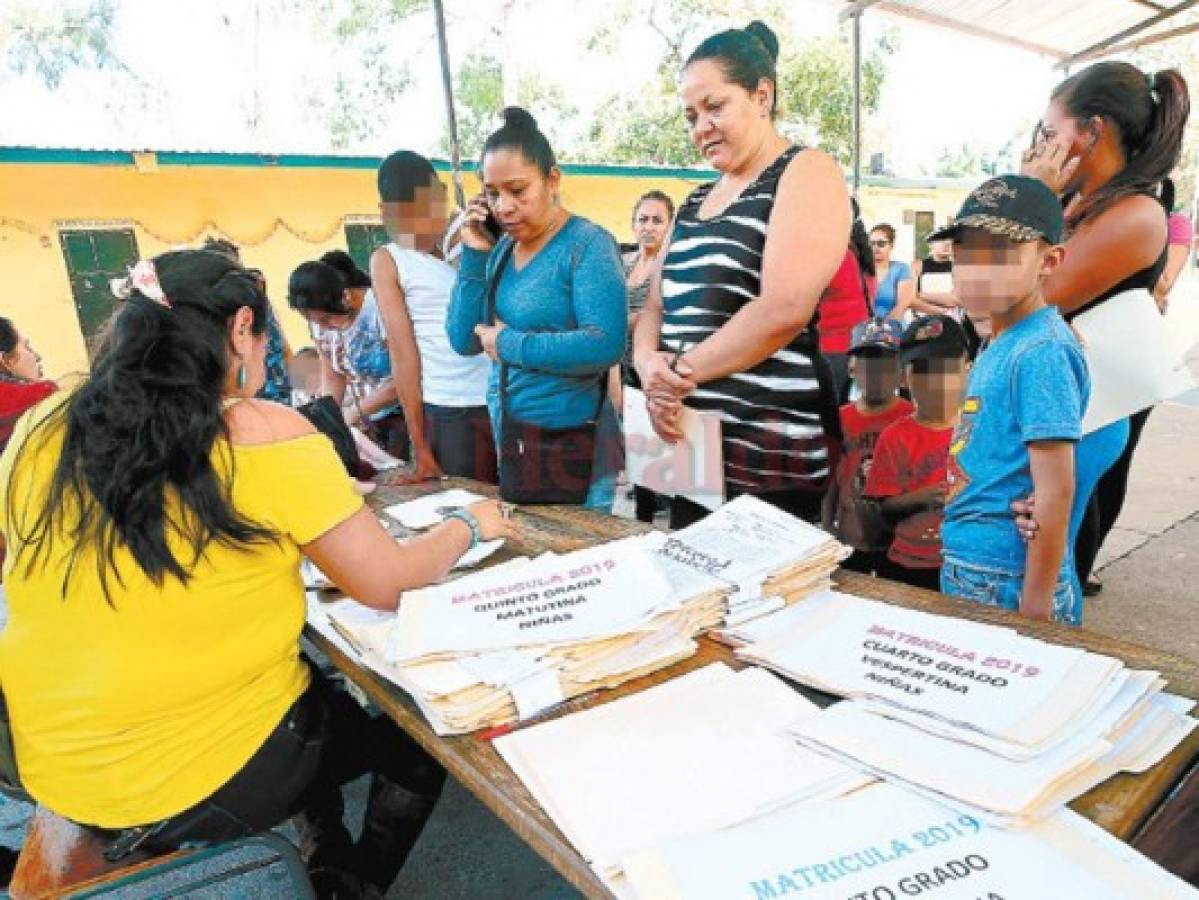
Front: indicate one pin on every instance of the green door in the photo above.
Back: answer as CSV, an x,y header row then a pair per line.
x,y
93,259
361,241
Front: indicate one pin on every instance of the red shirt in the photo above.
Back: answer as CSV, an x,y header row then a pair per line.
x,y
842,306
910,456
860,433
16,397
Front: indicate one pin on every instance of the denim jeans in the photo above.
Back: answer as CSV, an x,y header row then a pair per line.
x,y
995,587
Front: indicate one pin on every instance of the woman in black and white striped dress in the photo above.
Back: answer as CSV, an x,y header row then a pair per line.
x,y
748,260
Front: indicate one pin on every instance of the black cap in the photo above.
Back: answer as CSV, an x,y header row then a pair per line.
x,y
1014,206
877,334
933,337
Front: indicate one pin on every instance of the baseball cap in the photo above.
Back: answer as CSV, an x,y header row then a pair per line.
x,y
933,337
876,334
1014,206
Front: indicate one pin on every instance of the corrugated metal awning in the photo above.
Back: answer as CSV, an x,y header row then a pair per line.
x,y
1070,31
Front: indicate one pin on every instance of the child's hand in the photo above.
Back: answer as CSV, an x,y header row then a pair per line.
x,y
1025,523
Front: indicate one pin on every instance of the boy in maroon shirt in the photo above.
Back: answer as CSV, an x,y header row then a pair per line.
x,y
907,477
874,367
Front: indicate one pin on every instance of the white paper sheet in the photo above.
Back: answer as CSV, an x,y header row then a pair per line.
x,y
972,674
424,512
1130,357
692,468
702,751
886,842
587,594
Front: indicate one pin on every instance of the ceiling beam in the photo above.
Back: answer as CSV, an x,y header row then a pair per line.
x,y
920,15
854,9
1146,41
1099,48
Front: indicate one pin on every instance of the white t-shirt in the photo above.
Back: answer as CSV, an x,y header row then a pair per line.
x,y
447,379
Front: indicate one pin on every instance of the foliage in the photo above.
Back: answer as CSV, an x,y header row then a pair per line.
x,y
48,42
815,83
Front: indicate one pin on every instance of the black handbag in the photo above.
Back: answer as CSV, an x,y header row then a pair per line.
x,y
539,464
326,417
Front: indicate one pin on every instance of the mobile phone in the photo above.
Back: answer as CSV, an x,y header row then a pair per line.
x,y
492,226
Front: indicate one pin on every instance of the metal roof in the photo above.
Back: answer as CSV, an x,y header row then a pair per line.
x,y
1070,31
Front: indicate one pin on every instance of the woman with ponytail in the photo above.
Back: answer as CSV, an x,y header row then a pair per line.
x,y
155,518
729,323
1107,144
546,303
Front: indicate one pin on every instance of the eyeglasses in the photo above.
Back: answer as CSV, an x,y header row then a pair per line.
x,y
880,243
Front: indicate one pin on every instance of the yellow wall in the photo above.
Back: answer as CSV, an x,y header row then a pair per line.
x,y
170,205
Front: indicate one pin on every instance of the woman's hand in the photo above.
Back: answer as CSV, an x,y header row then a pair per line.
x,y
1051,163
473,233
663,378
1023,511
489,337
495,520
665,420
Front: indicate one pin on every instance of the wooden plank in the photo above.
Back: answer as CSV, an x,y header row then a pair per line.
x,y
1121,805
1169,837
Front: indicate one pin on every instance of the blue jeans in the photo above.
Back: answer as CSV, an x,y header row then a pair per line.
x,y
995,587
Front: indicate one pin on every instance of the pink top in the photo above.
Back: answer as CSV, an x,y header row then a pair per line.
x,y
1181,231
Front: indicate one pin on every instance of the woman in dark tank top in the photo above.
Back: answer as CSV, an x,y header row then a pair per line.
x,y
1107,143
729,326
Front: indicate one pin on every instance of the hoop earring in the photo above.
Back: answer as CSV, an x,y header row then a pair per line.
x,y
241,376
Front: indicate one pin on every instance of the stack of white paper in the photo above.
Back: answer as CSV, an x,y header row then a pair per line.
x,y
885,842
701,752
513,640
772,559
1007,727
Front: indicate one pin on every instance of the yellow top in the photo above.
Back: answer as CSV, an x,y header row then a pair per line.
x,y
126,714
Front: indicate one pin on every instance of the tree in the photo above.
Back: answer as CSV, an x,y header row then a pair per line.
x,y
48,41
367,79
815,84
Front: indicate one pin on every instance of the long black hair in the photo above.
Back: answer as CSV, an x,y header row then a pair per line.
x,y
859,240
318,286
137,465
8,336
1149,114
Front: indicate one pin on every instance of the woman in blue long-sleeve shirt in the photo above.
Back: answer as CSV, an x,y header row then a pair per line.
x,y
561,309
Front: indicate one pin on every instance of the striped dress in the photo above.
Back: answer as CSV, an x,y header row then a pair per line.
x,y
779,416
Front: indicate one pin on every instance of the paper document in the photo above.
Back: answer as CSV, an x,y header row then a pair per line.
x,y
884,842
1131,358
692,468
588,594
425,512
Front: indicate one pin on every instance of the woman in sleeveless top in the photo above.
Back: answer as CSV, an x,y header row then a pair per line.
x,y
729,327
1107,142
652,218
443,394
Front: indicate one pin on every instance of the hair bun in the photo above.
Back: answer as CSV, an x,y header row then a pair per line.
x,y
518,117
766,35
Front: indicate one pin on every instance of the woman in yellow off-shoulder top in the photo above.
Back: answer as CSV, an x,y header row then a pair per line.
x,y
155,517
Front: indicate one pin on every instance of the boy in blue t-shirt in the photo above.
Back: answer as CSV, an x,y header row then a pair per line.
x,y
1022,412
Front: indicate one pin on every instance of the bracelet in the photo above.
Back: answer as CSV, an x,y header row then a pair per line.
x,y
465,515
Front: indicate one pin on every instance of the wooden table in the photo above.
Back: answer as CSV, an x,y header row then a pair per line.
x,y
1121,805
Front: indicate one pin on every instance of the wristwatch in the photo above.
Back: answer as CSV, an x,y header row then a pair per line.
x,y
465,515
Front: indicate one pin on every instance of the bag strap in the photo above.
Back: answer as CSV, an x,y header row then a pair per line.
x,y
493,286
